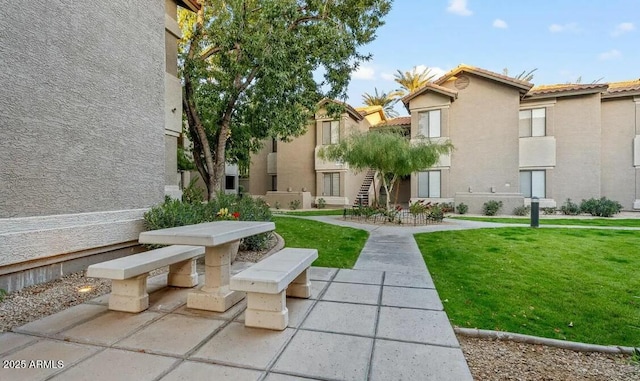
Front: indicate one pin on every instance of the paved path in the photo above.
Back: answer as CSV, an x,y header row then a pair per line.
x,y
383,320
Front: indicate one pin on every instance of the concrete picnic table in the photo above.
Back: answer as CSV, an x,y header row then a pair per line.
x,y
220,239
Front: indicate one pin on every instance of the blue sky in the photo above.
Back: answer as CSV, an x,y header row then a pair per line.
x,y
563,39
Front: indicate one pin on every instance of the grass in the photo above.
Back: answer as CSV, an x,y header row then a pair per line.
x,y
571,284
318,212
616,222
337,246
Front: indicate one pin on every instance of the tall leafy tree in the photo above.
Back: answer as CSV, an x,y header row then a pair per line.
x,y
384,99
389,153
413,79
248,70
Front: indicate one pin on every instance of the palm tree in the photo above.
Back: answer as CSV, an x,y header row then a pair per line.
x,y
524,76
386,100
412,80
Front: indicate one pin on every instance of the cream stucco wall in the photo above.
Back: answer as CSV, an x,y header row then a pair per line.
x,y
577,129
259,179
619,125
83,151
295,162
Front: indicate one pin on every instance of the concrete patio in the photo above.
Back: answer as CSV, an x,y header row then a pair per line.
x,y
358,325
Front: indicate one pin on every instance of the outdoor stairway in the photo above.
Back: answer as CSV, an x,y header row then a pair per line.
x,y
363,193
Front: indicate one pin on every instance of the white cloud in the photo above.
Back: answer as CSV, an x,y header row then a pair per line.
x,y
364,72
387,76
498,23
434,71
459,7
571,27
610,55
623,28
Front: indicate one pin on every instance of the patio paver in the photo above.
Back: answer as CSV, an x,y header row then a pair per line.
x,y
382,320
327,355
411,298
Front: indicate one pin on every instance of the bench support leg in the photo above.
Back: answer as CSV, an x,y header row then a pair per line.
x,y
301,286
183,274
266,311
215,295
129,295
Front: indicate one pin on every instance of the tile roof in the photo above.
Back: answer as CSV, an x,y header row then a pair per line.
x,y
524,86
618,89
433,87
395,122
566,89
348,108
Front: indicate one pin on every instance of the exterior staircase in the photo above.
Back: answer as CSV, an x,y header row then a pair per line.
x,y
363,193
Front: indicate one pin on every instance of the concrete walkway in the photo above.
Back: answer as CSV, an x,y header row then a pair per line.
x,y
383,320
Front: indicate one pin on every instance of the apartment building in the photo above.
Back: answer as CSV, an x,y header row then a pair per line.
x,y
91,118
512,142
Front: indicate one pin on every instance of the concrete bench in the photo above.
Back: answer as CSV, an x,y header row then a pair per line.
x,y
270,281
129,274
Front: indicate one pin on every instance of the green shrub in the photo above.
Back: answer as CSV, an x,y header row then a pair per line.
x,y
172,213
3,293
436,212
522,210
418,207
321,203
295,204
491,207
570,208
600,208
549,210
192,193
462,208
447,207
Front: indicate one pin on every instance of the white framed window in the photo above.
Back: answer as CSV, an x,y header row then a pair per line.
x,y
331,132
533,122
429,123
429,184
331,184
533,184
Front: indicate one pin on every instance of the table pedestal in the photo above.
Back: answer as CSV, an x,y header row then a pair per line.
x,y
215,294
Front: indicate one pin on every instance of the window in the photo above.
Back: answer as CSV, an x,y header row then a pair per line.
x,y
532,184
429,184
331,184
331,132
274,183
230,182
429,123
533,122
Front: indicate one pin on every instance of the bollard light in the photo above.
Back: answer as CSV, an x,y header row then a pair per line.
x,y
535,212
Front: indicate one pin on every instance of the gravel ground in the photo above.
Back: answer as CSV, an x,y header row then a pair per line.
x,y
507,360
488,359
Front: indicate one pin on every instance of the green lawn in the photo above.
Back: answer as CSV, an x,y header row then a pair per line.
x,y
337,246
573,284
619,222
317,212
